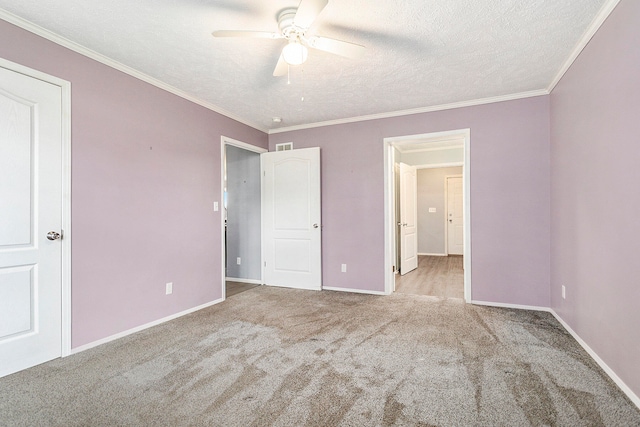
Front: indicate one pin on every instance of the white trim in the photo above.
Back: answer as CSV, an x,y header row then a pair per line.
x,y
62,41
142,327
602,16
466,192
389,211
515,306
65,88
441,165
423,150
243,145
355,291
224,141
604,13
427,254
616,379
239,280
451,106
66,219
610,372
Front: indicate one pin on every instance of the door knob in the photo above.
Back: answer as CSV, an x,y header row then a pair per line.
x,y
315,225
52,235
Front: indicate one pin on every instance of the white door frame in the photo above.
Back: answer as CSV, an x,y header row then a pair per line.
x,y
224,141
65,87
389,197
446,214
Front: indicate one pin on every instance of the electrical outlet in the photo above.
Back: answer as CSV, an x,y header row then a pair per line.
x,y
564,292
238,261
169,288
344,268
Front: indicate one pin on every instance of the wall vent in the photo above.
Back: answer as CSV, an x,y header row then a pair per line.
x,y
285,146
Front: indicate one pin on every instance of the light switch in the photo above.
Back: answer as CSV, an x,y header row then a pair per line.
x,y
215,206
432,210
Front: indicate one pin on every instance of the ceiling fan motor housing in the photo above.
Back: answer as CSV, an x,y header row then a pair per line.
x,y
285,23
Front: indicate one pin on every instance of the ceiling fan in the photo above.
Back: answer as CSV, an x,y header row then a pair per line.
x,y
294,25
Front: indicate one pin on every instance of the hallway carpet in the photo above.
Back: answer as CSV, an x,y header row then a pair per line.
x,y
284,357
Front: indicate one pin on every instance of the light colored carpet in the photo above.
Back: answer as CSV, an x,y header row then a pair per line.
x,y
286,357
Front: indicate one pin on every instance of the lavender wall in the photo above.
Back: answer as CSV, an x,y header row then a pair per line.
x,y
595,207
509,196
145,173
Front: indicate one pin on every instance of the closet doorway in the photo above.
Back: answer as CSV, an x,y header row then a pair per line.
x,y
241,217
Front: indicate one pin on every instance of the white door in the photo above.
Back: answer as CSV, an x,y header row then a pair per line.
x,y
291,239
408,219
455,223
30,207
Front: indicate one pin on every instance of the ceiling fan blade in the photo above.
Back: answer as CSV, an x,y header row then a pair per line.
x,y
281,67
246,34
338,47
308,11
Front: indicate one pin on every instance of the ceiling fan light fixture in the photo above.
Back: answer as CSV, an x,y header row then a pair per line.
x,y
295,53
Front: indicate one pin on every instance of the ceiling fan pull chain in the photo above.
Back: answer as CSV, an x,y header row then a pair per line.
x,y
288,74
302,78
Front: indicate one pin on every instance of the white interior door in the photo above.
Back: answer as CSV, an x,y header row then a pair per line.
x,y
30,207
455,222
291,239
408,219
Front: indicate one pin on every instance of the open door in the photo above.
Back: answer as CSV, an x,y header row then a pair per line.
x,y
31,227
408,219
455,220
291,231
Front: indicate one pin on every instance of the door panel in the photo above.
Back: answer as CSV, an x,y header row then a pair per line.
x,y
31,194
455,222
291,218
408,219
15,129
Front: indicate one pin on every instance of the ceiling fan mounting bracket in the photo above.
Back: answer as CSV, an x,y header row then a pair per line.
x,y
288,29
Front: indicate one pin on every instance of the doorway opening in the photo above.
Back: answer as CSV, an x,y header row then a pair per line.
x,y
428,239
241,217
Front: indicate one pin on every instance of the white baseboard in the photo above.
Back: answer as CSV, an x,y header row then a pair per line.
x,y
251,281
616,379
516,306
355,291
427,254
141,327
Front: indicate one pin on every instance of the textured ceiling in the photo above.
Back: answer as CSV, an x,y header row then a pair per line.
x,y
420,53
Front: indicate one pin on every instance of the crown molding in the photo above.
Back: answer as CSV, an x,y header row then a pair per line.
x,y
603,14
431,109
78,48
584,40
